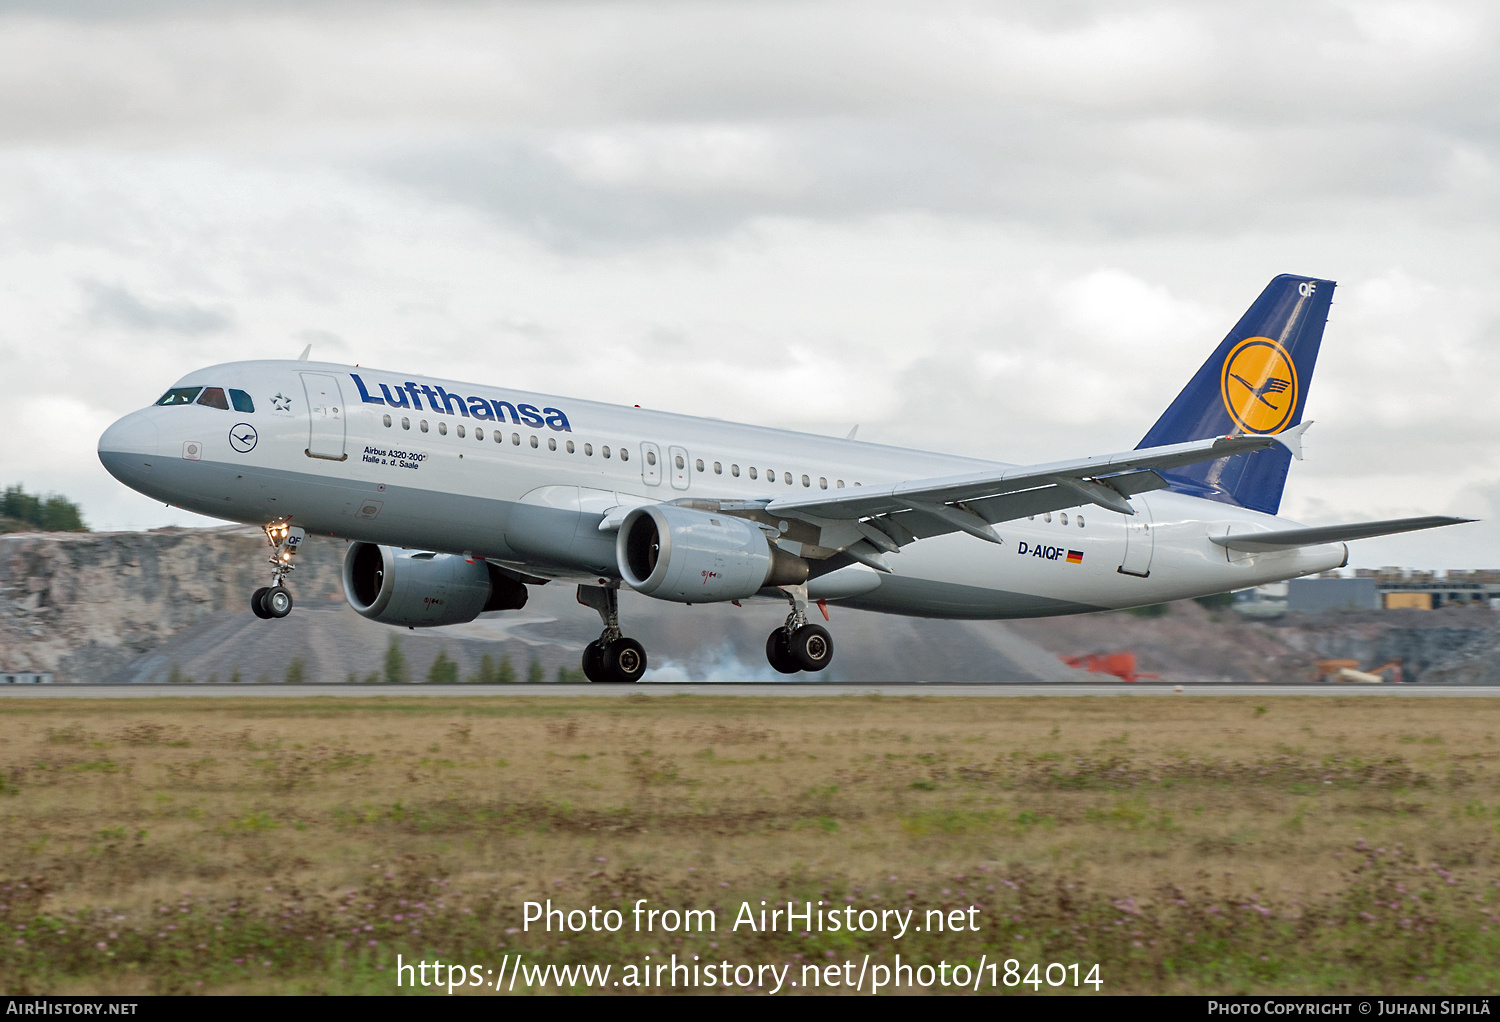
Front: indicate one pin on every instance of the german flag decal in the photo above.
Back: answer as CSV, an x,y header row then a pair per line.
x,y
1075,556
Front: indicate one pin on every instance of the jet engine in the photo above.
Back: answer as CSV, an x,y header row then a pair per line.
x,y
687,556
420,589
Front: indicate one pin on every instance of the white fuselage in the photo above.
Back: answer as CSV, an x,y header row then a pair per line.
x,y
327,448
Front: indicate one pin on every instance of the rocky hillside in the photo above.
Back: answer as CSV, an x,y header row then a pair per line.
x,y
136,607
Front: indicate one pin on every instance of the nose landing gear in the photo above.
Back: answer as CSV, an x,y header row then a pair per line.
x,y
797,645
611,658
274,601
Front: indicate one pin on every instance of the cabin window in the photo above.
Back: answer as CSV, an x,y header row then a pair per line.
x,y
651,457
858,483
499,437
805,481
1047,517
241,401
624,454
179,396
515,438
533,442
734,470
680,463
387,420
718,468
752,472
822,482
838,484
786,477
405,422
698,464
1063,518
570,447
604,450
442,429
213,397
588,450
422,425
478,432
1079,520
459,429
551,442
770,475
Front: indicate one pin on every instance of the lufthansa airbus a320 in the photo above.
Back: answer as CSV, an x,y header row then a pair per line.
x,y
455,497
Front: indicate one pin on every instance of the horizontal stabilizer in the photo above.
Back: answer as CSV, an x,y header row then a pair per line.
x,y
1287,539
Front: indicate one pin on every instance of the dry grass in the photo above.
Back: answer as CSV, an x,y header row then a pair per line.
x,y
1217,844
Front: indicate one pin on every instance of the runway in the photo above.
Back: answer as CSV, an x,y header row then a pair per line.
x,y
782,690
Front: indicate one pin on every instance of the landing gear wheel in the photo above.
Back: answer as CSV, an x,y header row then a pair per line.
x,y
593,662
812,647
625,660
277,601
779,653
255,604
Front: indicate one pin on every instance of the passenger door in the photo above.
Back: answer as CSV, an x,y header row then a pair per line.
x,y
325,410
1140,540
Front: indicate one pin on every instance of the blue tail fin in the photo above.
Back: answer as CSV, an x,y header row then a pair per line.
x,y
1256,381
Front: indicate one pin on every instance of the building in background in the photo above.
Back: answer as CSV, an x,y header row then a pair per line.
x,y
1313,595
1371,589
25,677
1429,590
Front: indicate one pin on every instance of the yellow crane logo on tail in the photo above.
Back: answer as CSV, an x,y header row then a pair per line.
x,y
1259,385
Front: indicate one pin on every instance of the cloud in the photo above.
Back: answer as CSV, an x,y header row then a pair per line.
x,y
116,306
1004,230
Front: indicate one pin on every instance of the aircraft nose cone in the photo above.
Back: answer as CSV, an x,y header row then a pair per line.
x,y
129,446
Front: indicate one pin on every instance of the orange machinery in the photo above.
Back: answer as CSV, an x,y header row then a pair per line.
x,y
1121,665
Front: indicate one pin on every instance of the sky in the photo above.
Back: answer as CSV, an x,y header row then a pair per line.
x,y
1006,230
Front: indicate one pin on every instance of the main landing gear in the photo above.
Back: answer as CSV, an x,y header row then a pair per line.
x,y
274,600
797,645
611,658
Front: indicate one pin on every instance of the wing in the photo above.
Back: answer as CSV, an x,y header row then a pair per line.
x,y
866,521
1287,539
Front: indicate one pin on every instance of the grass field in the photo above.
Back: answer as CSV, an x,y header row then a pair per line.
x,y
1184,845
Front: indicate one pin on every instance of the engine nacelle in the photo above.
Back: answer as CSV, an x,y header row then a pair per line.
x,y
419,589
676,553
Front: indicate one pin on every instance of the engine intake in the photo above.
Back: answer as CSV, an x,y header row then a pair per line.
x,y
419,589
687,556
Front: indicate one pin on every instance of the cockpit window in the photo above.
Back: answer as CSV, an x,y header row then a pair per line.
x,y
241,400
179,396
214,397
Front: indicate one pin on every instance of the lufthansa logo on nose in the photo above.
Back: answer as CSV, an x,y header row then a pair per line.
x,y
1259,385
243,437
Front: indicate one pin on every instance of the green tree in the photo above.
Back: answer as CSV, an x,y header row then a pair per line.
x,y
506,673
534,673
486,672
573,677
52,513
443,671
234,679
294,671
396,672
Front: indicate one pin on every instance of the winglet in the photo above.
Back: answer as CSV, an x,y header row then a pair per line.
x,y
305,352
1291,438
852,432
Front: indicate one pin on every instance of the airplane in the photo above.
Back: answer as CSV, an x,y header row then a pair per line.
x,y
454,498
